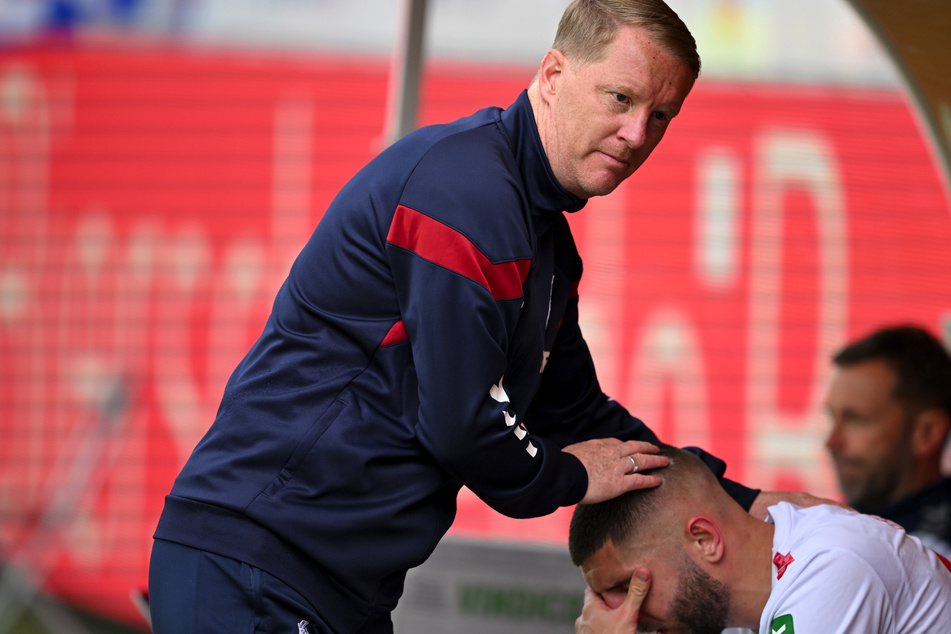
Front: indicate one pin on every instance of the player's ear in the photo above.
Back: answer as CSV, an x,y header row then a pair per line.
x,y
929,432
552,69
704,539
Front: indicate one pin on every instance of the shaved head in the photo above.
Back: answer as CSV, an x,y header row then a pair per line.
x,y
637,516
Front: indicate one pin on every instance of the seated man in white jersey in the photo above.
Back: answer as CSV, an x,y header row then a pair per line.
x,y
684,557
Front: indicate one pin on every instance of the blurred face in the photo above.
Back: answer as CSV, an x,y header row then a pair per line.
x,y
868,440
682,599
606,118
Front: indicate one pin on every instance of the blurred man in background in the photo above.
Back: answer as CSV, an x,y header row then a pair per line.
x,y
889,402
685,557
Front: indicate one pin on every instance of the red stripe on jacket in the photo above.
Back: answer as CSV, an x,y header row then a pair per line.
x,y
396,334
442,245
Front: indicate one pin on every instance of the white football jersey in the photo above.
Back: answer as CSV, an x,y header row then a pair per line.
x,y
836,571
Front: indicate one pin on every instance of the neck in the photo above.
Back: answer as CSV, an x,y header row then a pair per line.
x,y
751,567
534,98
533,95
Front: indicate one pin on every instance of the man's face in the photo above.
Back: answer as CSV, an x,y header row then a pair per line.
x,y
606,117
868,440
682,599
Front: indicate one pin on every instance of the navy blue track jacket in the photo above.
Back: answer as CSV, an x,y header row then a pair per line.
x,y
426,338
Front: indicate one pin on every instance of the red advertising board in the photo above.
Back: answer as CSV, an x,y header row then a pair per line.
x,y
151,201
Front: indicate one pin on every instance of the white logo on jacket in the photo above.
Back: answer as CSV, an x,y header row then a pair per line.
x,y
498,394
547,353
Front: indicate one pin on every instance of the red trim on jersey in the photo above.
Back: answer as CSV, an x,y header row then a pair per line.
x,y
947,564
782,562
396,334
442,245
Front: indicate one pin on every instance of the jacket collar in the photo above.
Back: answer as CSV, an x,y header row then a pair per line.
x,y
546,194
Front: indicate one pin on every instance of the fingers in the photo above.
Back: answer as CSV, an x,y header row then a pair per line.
x,y
610,463
637,462
645,454
637,591
634,481
598,618
637,446
628,613
638,456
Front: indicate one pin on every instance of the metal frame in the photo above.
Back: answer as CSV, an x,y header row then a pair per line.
x,y
406,72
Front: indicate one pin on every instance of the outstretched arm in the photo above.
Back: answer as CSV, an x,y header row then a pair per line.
x,y
766,499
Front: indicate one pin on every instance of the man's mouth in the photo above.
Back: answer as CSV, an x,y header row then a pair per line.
x,y
848,465
623,162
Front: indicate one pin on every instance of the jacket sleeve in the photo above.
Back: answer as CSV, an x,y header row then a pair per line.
x,y
570,406
458,307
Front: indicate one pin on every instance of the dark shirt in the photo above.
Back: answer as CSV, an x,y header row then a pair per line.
x,y
926,514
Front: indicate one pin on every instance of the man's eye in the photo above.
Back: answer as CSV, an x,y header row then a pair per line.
x,y
621,98
660,116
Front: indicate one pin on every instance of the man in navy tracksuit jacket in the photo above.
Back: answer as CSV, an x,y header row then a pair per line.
x,y
426,338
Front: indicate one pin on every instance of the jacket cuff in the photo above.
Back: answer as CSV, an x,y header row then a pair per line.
x,y
742,494
577,479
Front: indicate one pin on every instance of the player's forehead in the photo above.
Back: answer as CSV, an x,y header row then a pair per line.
x,y
611,567
602,569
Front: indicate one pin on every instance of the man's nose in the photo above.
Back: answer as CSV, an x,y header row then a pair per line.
x,y
634,129
834,439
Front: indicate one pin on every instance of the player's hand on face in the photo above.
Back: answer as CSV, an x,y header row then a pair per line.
x,y
615,467
768,498
598,618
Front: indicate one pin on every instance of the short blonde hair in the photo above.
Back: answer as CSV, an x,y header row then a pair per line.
x,y
588,27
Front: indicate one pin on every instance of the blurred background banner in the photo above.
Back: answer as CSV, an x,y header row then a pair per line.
x,y
162,162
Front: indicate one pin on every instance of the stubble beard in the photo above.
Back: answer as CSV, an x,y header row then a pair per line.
x,y
877,489
701,602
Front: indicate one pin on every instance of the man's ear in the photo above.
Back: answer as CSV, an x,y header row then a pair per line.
x,y
552,68
704,539
929,432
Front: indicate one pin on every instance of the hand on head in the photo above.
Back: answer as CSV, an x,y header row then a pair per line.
x,y
615,467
